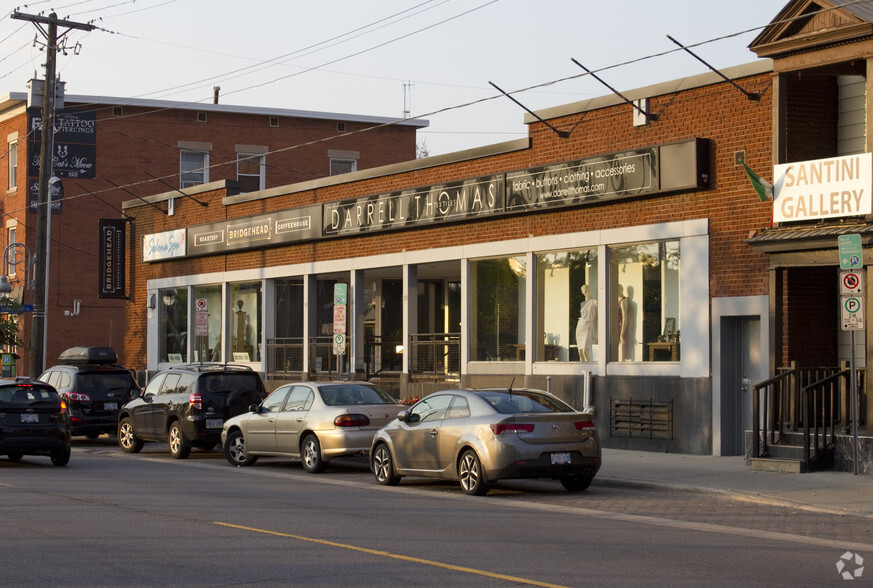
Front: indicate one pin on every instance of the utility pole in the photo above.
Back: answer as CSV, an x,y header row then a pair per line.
x,y
48,27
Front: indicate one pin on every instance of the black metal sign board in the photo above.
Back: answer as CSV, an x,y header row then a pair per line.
x,y
55,190
452,201
617,175
280,227
74,153
112,240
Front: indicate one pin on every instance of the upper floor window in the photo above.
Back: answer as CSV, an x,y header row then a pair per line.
x,y
12,155
194,168
250,172
342,166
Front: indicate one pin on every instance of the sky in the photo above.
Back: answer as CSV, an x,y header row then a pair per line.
x,y
434,59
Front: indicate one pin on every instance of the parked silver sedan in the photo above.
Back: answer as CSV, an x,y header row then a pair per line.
x,y
315,421
480,436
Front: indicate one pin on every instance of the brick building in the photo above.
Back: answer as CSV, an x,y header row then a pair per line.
x,y
107,150
618,256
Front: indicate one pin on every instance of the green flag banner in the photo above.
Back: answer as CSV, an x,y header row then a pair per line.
x,y
762,187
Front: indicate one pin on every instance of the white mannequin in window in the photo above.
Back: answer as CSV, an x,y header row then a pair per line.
x,y
586,326
625,324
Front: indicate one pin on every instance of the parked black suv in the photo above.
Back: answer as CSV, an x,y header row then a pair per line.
x,y
93,386
187,405
32,421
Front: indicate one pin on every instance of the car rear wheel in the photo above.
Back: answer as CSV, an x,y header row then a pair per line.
x,y
61,457
235,450
470,474
179,447
576,483
16,457
128,440
383,467
310,453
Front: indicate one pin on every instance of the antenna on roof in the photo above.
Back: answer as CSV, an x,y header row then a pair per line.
x,y
407,98
750,95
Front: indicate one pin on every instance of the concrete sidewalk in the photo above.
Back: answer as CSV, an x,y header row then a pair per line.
x,y
828,491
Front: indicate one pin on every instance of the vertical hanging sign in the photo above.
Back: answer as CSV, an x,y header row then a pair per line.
x,y
112,236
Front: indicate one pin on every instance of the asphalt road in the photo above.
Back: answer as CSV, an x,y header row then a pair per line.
x,y
111,519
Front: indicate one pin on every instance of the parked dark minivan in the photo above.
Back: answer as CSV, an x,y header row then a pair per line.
x,y
94,387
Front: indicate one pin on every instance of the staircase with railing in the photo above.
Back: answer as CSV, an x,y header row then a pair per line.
x,y
797,415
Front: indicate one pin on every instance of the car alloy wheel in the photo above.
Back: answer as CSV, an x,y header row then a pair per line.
x,y
128,440
470,474
179,448
235,450
383,468
311,454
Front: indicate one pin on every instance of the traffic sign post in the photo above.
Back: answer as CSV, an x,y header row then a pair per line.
x,y
852,286
340,298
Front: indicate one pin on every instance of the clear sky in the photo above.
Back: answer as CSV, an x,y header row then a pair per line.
x,y
433,58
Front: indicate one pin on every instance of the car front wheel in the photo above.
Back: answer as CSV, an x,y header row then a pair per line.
x,y
128,440
16,457
235,450
383,467
310,453
470,474
179,447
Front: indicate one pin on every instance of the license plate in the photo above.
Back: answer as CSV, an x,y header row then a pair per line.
x,y
110,406
560,458
214,423
29,418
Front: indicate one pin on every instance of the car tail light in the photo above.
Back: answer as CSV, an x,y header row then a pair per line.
x,y
351,420
196,400
512,428
77,397
583,425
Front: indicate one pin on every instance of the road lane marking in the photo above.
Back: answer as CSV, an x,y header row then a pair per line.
x,y
388,554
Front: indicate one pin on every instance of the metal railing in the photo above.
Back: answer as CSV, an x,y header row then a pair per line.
x,y
811,401
435,354
382,355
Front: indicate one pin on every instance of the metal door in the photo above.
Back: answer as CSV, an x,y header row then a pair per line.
x,y
741,363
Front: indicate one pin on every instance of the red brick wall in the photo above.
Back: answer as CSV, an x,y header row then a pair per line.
x,y
719,113
131,149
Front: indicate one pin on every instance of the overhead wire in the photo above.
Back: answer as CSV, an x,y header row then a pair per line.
x,y
477,101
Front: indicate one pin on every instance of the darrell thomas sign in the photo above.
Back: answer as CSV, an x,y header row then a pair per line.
x,y
823,188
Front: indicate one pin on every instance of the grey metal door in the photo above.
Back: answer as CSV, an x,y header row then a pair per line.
x,y
741,363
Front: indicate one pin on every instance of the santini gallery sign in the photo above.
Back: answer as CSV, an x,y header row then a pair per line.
x,y
823,188
666,168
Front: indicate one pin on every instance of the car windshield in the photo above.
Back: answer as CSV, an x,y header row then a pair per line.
x,y
521,401
351,394
24,396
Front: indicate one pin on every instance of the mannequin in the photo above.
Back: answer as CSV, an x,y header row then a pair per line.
x,y
586,326
625,325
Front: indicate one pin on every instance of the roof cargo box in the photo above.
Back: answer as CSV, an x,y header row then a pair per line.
x,y
83,355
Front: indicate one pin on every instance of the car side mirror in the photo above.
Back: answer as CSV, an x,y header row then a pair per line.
x,y
135,393
403,416
256,408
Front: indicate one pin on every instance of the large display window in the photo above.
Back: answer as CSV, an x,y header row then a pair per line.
x,y
245,321
210,345
498,309
173,339
644,312
567,306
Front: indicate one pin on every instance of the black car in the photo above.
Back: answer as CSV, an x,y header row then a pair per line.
x,y
94,387
32,421
186,406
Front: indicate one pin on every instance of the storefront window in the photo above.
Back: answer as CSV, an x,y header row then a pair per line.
x,y
498,309
644,316
567,306
210,345
246,321
173,344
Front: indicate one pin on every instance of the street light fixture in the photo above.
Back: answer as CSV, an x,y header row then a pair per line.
x,y
15,254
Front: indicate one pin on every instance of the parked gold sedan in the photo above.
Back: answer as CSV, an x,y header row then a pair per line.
x,y
313,421
480,436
